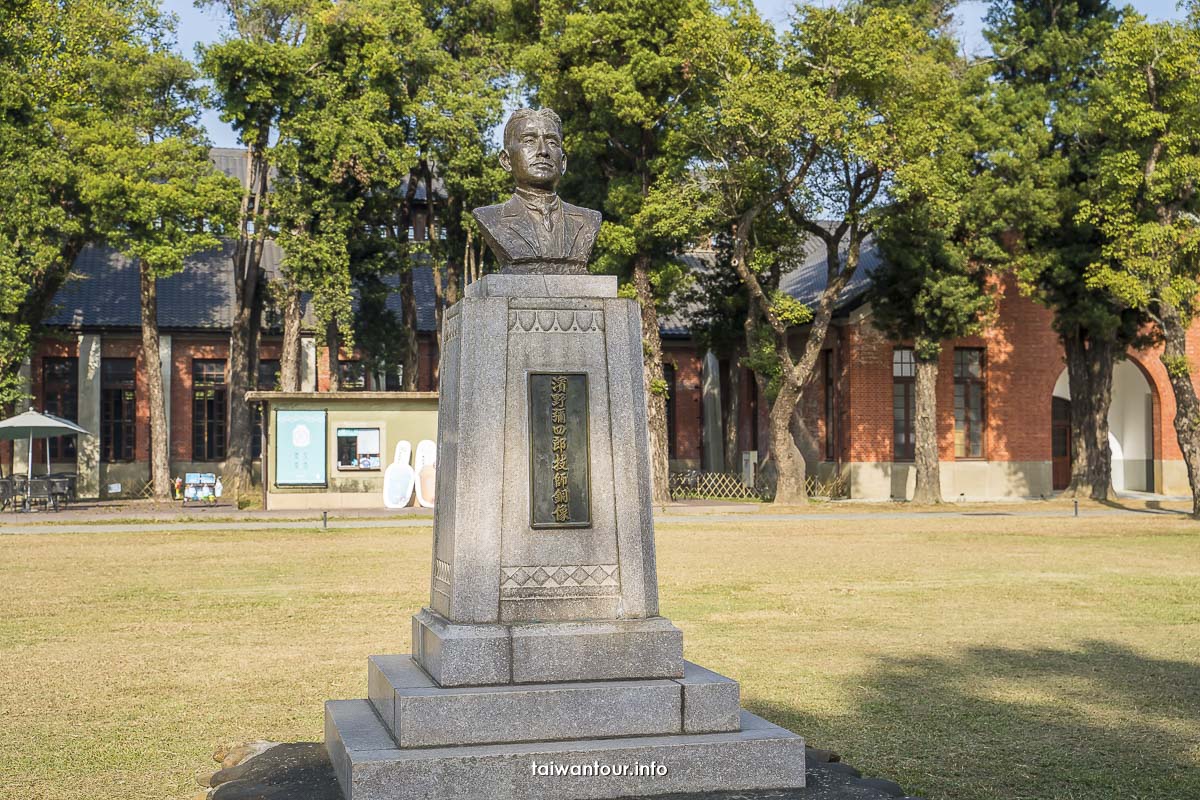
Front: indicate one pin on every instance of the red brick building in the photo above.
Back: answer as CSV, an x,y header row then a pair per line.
x,y
1003,416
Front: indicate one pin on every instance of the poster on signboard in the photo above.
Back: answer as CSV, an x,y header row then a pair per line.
x,y
299,448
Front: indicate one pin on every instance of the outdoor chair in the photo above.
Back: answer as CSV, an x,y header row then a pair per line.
x,y
6,493
60,491
39,492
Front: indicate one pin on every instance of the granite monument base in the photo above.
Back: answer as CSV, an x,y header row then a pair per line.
x,y
557,741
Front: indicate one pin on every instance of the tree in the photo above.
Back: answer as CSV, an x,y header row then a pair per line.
x,y
101,147
397,94
800,138
928,289
940,245
255,71
616,75
1045,57
1147,103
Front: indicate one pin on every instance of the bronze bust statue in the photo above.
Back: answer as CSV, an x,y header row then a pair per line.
x,y
535,232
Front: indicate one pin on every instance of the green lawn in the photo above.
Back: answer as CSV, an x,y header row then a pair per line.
x,y
975,658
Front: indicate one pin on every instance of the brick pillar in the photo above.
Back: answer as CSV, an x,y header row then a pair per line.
x,y
87,448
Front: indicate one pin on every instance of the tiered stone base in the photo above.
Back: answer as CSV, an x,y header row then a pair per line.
x,y
557,741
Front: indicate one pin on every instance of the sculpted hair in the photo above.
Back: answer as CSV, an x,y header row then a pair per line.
x,y
529,113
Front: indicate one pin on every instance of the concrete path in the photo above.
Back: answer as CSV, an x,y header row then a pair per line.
x,y
45,524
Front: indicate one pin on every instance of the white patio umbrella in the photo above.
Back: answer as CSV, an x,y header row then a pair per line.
x,y
43,426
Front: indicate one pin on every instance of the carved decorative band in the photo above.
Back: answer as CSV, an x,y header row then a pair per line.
x,y
549,320
451,327
441,571
558,576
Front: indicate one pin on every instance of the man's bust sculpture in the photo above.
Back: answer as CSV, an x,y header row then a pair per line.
x,y
535,232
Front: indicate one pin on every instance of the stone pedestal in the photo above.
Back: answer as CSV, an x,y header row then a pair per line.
x,y
542,643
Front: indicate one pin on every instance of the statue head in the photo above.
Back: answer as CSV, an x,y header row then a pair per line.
x,y
533,149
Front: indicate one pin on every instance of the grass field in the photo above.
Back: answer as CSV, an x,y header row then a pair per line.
x,y
975,658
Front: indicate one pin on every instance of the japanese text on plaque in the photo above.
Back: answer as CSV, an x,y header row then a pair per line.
x,y
558,448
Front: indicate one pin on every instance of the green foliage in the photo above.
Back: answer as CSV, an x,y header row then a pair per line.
x,y
1148,105
98,144
1041,157
926,289
1177,366
614,73
790,311
800,138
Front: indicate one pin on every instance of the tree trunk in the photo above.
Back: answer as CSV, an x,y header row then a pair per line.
x,y
656,388
289,357
333,344
733,409
408,338
1187,405
1089,372
929,481
160,450
1101,359
790,470
247,279
237,477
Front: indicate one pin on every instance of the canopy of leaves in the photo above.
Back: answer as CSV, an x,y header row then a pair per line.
x,y
98,143
1148,107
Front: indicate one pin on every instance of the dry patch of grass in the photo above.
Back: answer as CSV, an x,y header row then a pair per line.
x,y
971,658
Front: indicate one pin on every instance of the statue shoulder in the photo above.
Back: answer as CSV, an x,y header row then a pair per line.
x,y
487,214
591,216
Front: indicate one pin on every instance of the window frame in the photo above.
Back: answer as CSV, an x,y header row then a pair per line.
x,y
213,429
256,427
344,365
63,390
907,384
338,435
671,378
830,398
127,421
967,382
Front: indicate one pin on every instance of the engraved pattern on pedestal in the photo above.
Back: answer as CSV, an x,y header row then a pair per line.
x,y
441,577
550,320
559,581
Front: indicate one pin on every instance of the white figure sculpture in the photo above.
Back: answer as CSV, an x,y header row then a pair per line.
x,y
426,468
399,478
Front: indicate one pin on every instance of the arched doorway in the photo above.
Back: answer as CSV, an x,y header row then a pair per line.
x,y
1060,442
1130,430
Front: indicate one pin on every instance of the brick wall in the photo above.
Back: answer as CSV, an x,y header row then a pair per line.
x,y
184,349
1022,361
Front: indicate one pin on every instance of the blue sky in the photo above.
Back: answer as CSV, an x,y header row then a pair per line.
x,y
205,25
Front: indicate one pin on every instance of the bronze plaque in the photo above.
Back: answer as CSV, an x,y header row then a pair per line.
x,y
559,483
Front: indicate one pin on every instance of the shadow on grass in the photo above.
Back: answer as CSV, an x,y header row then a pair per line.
x,y
1096,722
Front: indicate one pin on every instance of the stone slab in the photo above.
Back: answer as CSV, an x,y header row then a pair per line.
x,y
461,654
760,756
613,650
546,652
302,771
420,714
500,285
711,702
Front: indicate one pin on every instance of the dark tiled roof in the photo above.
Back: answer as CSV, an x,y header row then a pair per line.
x,y
805,281
103,291
809,279
426,298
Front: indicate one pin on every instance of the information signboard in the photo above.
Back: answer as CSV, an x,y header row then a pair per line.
x,y
300,448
